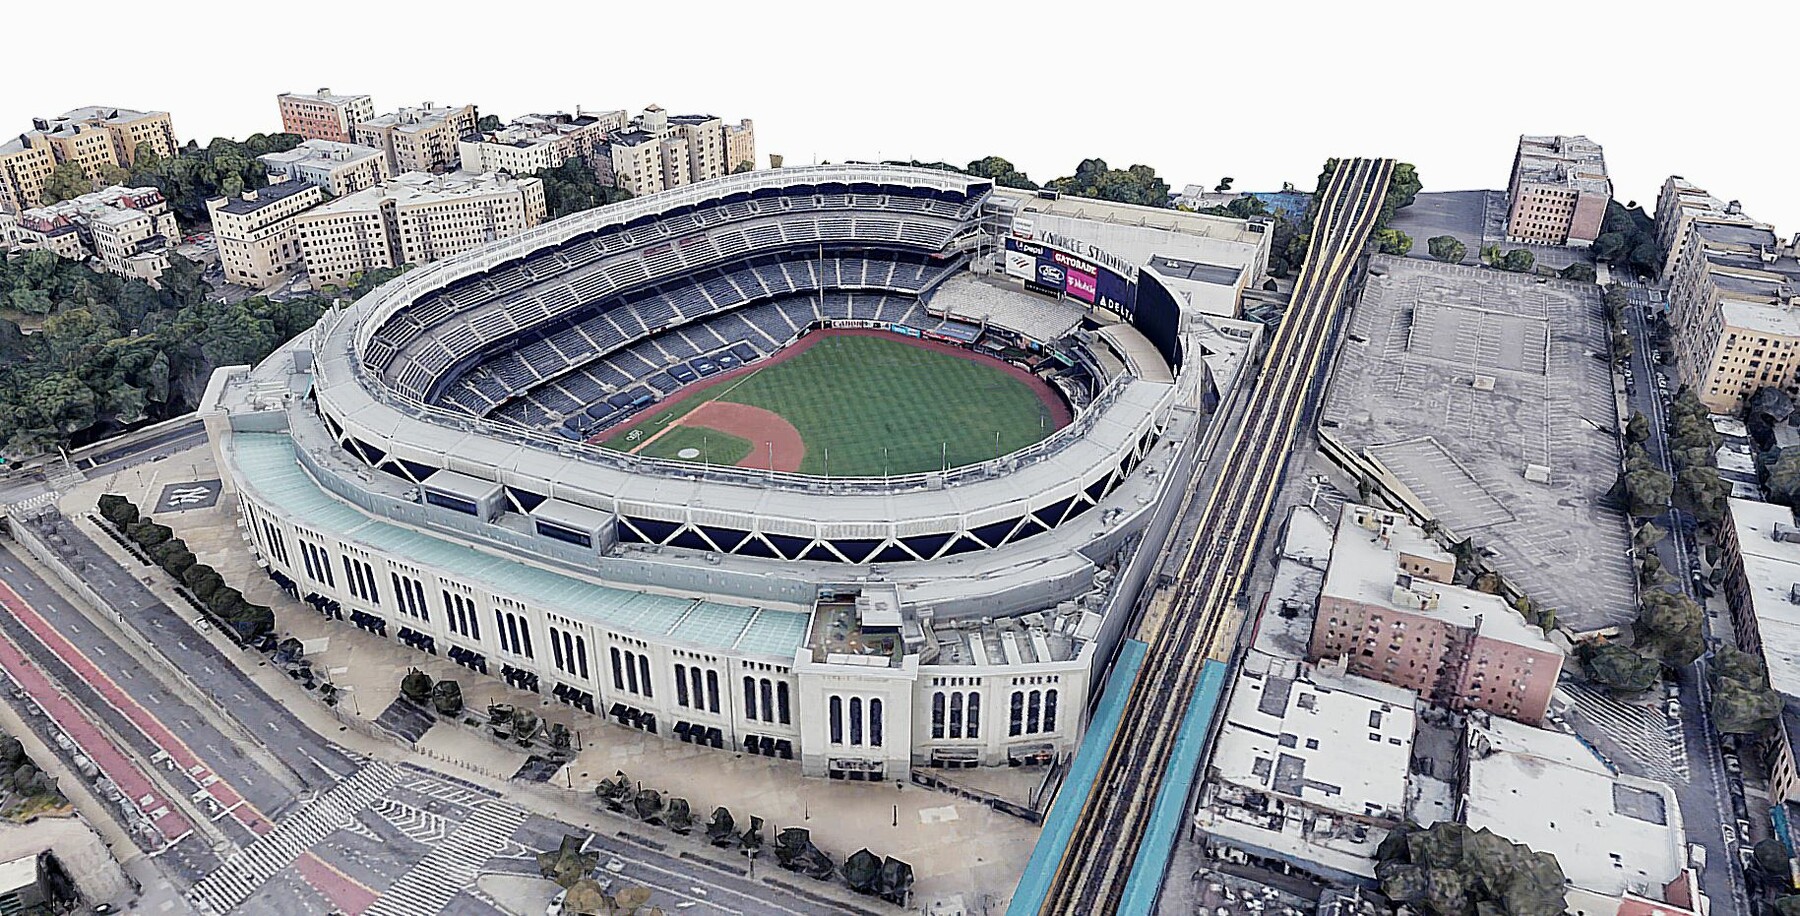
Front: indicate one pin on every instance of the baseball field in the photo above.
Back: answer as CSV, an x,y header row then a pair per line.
x,y
849,403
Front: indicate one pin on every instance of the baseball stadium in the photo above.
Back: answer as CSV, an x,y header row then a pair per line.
x,y
872,447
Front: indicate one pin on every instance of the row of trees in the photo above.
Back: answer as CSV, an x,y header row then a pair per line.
x,y
1628,239
1137,184
866,873
244,620
1290,242
1518,260
112,352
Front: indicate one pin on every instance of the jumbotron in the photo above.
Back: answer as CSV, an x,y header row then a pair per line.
x,y
842,464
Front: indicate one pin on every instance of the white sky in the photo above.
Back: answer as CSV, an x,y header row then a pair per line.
x,y
1263,91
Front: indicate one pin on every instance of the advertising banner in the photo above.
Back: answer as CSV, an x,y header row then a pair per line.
x,y
1021,265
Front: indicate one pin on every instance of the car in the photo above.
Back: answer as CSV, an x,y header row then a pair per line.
x,y
1671,690
1673,708
1733,765
1743,831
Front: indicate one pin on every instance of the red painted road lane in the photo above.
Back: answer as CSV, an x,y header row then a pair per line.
x,y
346,893
151,727
73,719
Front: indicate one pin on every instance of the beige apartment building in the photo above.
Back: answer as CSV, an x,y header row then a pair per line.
x,y
25,164
415,218
128,231
539,141
324,115
422,139
258,245
335,168
1680,205
1558,192
1388,611
658,151
98,136
1734,304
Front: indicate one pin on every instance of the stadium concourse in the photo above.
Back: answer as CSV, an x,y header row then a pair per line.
x,y
450,462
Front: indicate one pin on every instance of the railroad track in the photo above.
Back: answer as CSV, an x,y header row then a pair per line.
x,y
1195,619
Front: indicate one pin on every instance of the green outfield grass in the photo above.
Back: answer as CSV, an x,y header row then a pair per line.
x,y
877,405
714,447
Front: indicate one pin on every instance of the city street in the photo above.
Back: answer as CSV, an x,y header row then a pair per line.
x,y
1706,796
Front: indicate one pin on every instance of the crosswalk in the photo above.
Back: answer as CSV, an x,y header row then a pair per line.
x,y
452,866
1655,744
249,868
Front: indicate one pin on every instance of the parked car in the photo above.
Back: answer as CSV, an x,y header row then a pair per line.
x,y
1673,708
1743,831
1732,765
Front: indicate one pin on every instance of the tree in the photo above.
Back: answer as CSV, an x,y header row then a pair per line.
x,y
1648,489
416,686
446,697
1393,241
66,182
1706,493
1001,172
118,510
1403,188
1771,857
488,124
1579,272
1138,184
1787,905
568,863
1449,869
1668,628
1648,536
1742,703
1618,670
1783,483
1518,260
743,166
1446,248
1637,429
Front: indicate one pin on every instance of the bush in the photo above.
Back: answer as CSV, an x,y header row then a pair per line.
x,y
1446,248
149,534
202,580
118,510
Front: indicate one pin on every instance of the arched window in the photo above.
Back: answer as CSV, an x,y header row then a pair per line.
x,y
937,714
856,721
837,716
694,683
768,700
1018,714
1031,712
631,681
781,701
750,699
956,720
973,723
618,670
643,669
712,690
1050,710
681,693
875,723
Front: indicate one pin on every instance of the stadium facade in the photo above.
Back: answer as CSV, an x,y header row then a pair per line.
x,y
419,465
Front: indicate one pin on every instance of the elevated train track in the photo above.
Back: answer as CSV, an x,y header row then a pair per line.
x,y
1193,621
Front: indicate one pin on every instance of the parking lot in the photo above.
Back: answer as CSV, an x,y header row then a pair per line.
x,y
1488,395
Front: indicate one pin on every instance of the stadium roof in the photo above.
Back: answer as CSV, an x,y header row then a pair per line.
x,y
266,464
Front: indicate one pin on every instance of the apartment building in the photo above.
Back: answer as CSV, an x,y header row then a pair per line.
x,y
540,141
657,151
422,139
99,136
415,218
1680,206
258,245
336,168
324,115
1558,192
1734,305
127,230
1389,612
25,164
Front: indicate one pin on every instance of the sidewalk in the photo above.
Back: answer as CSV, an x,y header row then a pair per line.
x,y
961,852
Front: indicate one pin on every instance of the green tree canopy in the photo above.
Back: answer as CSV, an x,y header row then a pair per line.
x,y
1001,172
1138,184
1446,248
1449,869
66,182
1393,241
573,187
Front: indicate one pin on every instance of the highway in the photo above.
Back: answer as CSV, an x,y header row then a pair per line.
x,y
1194,619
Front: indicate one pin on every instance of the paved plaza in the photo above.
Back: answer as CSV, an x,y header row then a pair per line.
x,y
1488,396
376,834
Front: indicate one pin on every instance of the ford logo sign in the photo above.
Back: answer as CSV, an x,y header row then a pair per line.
x,y
1050,274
